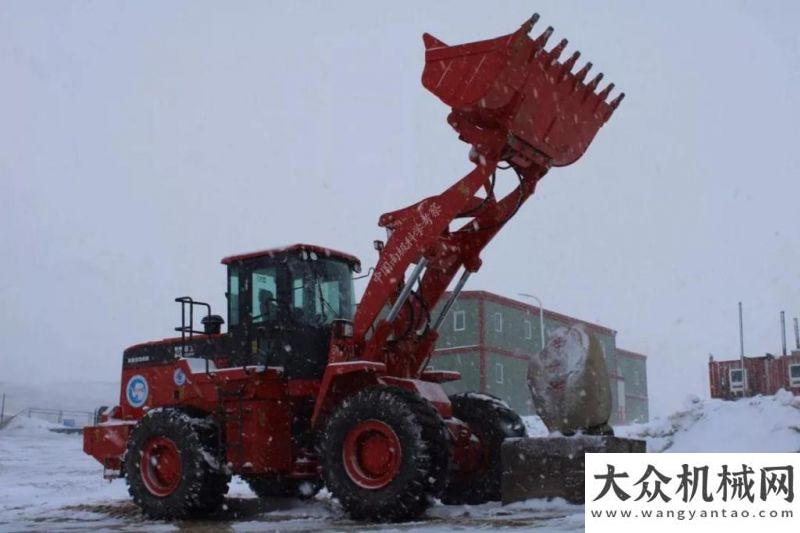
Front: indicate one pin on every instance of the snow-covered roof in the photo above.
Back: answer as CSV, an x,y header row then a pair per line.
x,y
320,251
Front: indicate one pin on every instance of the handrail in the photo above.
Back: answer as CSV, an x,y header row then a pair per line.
x,y
184,328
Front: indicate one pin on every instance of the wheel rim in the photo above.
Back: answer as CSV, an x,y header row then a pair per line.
x,y
160,466
371,454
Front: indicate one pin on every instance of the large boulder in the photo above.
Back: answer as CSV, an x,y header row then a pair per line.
x,y
569,382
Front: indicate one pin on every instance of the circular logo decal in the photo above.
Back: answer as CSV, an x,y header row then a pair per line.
x,y
179,377
136,391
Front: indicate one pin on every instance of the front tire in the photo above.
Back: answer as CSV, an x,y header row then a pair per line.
x,y
383,452
171,466
492,421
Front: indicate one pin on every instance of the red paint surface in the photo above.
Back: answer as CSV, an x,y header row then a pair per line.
x,y
371,454
160,466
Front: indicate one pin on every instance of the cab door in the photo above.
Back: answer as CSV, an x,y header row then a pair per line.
x,y
253,312
236,296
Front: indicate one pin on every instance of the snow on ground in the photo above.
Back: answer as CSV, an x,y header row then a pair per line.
x,y
48,483
758,424
41,473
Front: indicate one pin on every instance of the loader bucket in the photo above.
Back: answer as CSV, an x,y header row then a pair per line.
x,y
514,100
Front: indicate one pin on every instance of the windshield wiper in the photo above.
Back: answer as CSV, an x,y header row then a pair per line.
x,y
325,302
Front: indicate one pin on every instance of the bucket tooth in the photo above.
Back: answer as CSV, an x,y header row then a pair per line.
x,y
541,40
555,53
612,106
567,67
581,75
604,94
529,24
594,83
601,97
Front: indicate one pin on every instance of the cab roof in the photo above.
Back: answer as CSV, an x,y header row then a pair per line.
x,y
320,251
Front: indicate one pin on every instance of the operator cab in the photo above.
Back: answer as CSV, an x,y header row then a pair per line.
x,y
282,304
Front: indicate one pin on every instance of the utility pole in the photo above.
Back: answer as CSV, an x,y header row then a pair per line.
x,y
3,408
741,352
541,315
796,334
783,333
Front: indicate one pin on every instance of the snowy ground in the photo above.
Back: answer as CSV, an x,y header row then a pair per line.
x,y
758,424
47,483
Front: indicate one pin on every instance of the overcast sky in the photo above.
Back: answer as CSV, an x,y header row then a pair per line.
x,y
141,142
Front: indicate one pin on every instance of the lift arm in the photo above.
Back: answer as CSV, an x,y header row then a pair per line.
x,y
519,108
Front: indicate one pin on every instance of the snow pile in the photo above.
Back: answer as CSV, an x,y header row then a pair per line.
x,y
758,424
80,396
24,426
535,426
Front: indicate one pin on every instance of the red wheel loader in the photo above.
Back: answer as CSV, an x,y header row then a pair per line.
x,y
306,388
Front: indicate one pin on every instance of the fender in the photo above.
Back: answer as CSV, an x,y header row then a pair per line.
x,y
341,380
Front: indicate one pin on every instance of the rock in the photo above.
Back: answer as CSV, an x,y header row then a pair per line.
x,y
569,381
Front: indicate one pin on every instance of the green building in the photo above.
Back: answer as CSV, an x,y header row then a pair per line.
x,y
488,338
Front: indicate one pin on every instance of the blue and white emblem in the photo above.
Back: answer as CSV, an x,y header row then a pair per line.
x,y
137,390
179,377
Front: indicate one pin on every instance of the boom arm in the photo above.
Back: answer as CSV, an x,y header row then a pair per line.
x,y
420,234
514,102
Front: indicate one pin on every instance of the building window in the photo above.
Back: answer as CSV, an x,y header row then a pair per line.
x,y
794,375
498,322
737,383
459,321
498,373
528,329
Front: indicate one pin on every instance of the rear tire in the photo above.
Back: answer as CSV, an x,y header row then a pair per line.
x,y
383,452
171,465
492,421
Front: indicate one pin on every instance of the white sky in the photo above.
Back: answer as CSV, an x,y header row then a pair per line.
x,y
141,142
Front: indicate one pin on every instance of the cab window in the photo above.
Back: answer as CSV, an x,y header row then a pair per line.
x,y
233,296
264,306
321,291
